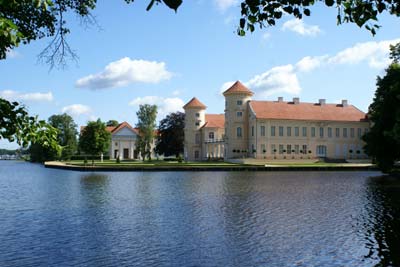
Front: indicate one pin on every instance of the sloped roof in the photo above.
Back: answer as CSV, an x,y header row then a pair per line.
x,y
238,88
214,121
121,126
194,103
306,111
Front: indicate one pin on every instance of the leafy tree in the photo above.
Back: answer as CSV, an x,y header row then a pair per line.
x,y
27,20
67,134
113,123
17,125
94,138
383,139
146,124
170,137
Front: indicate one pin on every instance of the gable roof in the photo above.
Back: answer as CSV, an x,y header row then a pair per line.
x,y
306,111
237,88
121,126
194,103
214,121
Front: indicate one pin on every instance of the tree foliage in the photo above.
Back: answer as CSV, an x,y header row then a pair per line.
x,y
94,138
170,137
17,125
67,134
146,115
362,13
25,20
383,139
113,123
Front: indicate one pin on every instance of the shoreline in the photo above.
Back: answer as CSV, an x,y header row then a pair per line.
x,y
350,167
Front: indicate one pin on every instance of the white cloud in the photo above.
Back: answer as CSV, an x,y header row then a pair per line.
x,y
298,26
176,93
281,79
374,53
225,4
12,54
308,63
126,71
165,105
32,97
284,79
77,110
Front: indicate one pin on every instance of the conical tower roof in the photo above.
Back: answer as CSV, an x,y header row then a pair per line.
x,y
238,88
194,103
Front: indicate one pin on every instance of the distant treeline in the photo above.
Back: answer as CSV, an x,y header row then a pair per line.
x,y
12,151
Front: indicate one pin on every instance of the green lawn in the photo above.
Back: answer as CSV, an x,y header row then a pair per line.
x,y
139,163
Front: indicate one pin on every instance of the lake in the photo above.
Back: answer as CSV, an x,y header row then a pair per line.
x,y
52,217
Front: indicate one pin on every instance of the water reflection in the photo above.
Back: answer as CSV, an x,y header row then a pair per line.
x,y
381,223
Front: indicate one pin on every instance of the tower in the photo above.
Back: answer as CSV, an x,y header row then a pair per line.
x,y
195,112
236,120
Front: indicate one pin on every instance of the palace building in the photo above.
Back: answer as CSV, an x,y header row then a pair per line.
x,y
273,129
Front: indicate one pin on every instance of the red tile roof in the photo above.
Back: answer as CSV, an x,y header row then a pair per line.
x,y
194,103
121,126
306,111
238,88
214,121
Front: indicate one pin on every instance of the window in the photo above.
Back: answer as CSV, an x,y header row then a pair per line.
x,y
329,132
280,131
211,135
365,130
262,130
197,138
359,132
304,149
321,132
272,130
252,130
304,131
312,131
344,132
289,149
239,131
296,131
197,115
197,123
239,102
116,143
337,132
263,149
296,149
239,114
280,149
352,132
273,148
196,154
289,131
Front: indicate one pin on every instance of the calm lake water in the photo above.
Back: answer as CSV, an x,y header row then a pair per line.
x,y
62,218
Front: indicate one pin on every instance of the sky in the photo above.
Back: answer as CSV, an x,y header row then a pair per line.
x,y
132,57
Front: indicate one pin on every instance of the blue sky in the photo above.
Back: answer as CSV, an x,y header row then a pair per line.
x,y
163,58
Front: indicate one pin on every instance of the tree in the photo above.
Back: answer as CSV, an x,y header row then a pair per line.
x,y
67,133
17,125
27,20
95,139
383,139
113,123
146,124
170,137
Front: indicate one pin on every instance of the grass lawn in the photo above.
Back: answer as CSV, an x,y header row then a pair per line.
x,y
153,163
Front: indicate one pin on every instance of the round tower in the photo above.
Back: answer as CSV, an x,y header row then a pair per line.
x,y
236,120
195,113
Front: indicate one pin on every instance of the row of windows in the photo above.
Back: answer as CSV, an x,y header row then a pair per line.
x,y
323,132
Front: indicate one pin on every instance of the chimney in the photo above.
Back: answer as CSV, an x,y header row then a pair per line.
x,y
280,99
322,102
344,103
296,100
